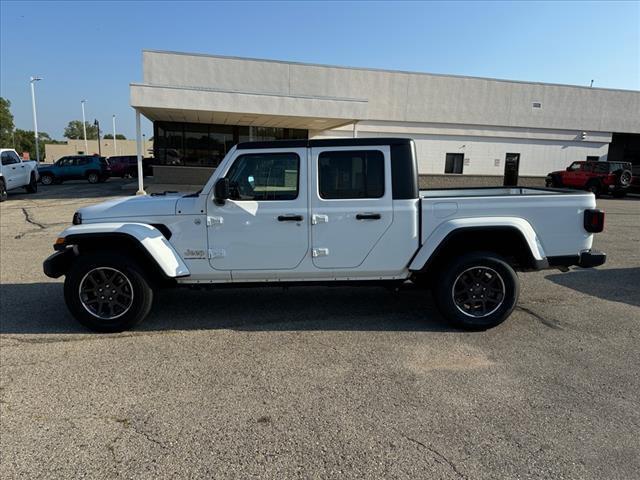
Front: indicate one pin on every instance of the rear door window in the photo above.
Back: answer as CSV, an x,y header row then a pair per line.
x,y
351,174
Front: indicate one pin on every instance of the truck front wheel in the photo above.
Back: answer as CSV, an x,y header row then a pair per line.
x,y
107,292
477,291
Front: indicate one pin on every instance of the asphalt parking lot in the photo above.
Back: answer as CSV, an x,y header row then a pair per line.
x,y
318,382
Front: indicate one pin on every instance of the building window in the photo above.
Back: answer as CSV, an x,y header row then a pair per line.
x,y
351,174
271,176
205,145
454,163
593,158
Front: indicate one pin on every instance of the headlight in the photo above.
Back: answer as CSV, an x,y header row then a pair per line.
x,y
77,218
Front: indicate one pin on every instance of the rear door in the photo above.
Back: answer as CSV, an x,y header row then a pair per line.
x,y
264,225
351,203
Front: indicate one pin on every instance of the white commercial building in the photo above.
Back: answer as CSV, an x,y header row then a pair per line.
x,y
467,130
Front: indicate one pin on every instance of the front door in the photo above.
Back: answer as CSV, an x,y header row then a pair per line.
x,y
264,225
11,170
511,168
351,203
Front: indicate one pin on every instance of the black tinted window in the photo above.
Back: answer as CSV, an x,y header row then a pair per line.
x,y
83,161
351,174
7,159
266,176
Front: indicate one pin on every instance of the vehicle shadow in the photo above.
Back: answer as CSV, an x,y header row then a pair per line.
x,y
257,309
613,284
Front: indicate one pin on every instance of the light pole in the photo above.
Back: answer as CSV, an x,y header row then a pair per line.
x,y
35,117
84,129
96,123
115,143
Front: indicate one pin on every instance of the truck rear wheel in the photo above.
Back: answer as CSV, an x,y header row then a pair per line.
x,y
32,187
3,190
107,292
477,291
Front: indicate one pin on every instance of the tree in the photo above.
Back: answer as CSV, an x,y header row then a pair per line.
x,y
74,130
24,141
119,136
6,122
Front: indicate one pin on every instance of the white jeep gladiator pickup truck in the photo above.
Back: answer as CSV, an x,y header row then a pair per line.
x,y
14,173
309,212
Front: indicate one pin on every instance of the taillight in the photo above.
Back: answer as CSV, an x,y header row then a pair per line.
x,y
594,220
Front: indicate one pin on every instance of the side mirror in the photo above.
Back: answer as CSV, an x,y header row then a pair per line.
x,y
221,191
568,169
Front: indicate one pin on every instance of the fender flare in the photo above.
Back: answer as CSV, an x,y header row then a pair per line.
x,y
443,231
148,237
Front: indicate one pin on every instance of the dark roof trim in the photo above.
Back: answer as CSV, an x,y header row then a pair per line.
x,y
329,142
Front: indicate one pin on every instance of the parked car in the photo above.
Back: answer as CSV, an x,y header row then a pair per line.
x,y
127,166
76,167
595,177
16,173
331,211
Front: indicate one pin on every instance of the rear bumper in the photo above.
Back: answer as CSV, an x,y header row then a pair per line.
x,y
588,259
59,263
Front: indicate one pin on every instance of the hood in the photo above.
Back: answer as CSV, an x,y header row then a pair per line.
x,y
137,206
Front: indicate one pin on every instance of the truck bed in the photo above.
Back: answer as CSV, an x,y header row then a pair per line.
x,y
557,213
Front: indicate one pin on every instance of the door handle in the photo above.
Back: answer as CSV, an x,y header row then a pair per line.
x,y
368,216
289,218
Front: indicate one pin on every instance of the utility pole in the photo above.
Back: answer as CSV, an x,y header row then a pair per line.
x,y
35,117
84,129
96,123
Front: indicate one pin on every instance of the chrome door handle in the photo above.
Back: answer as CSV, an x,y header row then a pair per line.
x,y
368,216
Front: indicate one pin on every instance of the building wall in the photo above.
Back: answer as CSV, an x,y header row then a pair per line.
x,y
383,95
541,150
53,152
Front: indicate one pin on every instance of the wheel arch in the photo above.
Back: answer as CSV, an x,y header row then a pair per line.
x,y
147,244
512,238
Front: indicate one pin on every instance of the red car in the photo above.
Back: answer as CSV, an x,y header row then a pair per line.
x,y
596,177
127,166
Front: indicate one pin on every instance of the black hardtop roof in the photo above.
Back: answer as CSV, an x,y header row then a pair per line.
x,y
325,142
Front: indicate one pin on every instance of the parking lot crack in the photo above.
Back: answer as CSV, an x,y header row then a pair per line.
x,y
28,219
545,321
438,456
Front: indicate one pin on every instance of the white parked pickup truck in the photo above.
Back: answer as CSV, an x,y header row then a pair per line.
x,y
14,173
309,212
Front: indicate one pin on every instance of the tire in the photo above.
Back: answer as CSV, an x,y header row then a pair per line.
x,y
495,281
93,177
3,190
47,179
133,297
555,182
33,184
623,178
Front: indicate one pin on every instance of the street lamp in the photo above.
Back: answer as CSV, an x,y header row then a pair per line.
x,y
35,117
84,129
115,143
96,124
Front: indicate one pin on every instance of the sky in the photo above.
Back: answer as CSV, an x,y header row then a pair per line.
x,y
93,50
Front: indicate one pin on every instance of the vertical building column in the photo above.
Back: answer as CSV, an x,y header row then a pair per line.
x,y
139,150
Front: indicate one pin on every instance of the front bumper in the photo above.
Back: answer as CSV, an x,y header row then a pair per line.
x,y
587,259
59,263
